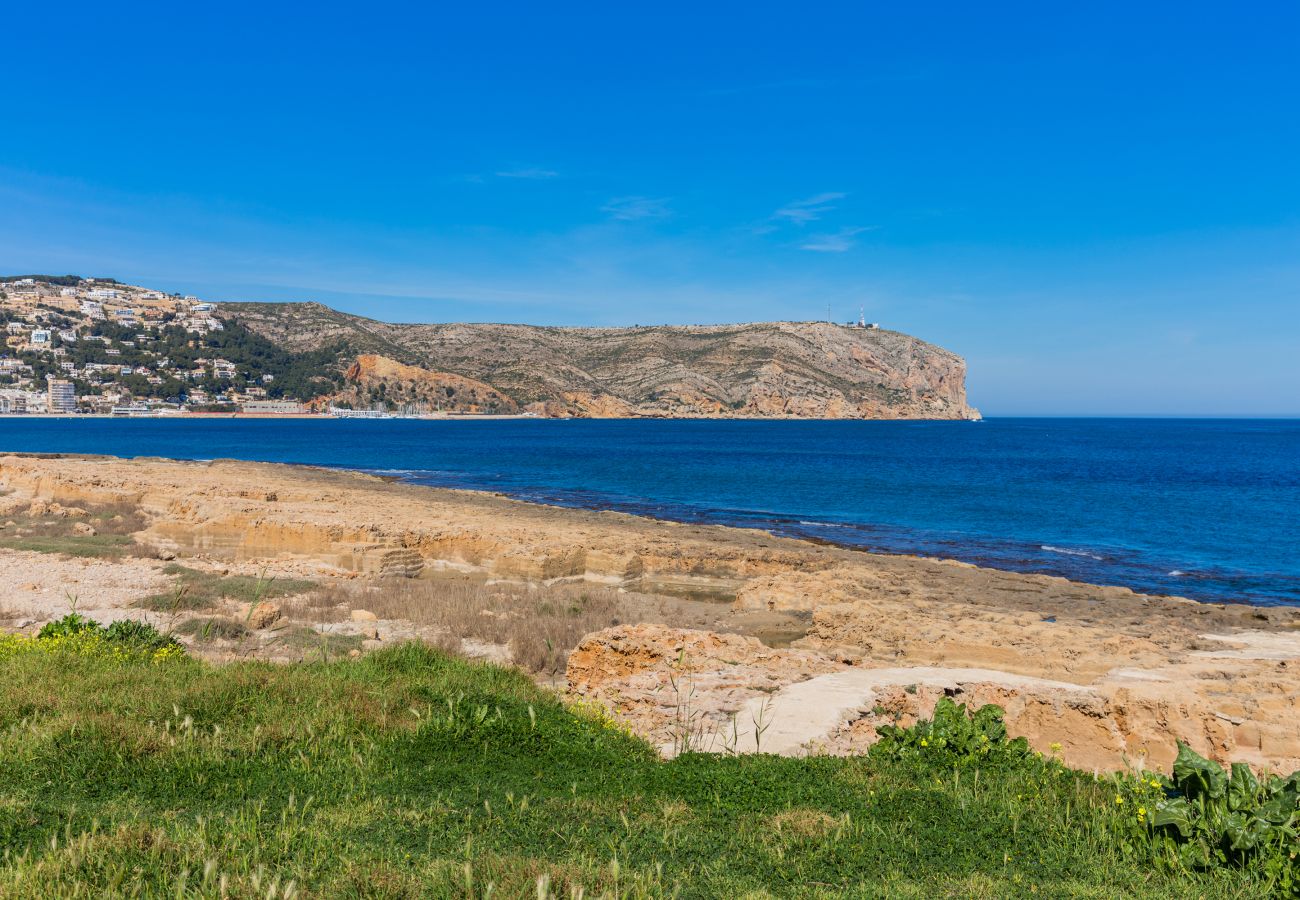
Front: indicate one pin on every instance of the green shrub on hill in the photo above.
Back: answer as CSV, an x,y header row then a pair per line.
x,y
955,737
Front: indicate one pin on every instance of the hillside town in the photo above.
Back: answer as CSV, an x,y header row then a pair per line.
x,y
77,345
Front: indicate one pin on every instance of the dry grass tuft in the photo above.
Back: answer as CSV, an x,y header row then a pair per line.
x,y
541,624
803,823
212,629
319,608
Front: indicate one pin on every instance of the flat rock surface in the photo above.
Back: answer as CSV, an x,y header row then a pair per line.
x,y
1142,670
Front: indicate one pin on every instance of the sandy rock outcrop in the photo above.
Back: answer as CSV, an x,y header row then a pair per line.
x,y
675,685
261,615
712,692
1067,658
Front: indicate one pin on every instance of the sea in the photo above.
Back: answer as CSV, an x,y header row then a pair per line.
x,y
1201,508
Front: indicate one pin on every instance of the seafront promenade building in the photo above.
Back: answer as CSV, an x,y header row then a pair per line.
x,y
62,397
273,407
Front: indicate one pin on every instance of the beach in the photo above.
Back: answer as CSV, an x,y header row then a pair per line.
x,y
838,640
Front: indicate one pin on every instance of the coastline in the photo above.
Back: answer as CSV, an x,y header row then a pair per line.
x,y
205,416
931,489
468,417
1115,673
540,501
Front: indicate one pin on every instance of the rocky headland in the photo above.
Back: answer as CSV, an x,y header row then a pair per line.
x,y
759,369
121,345
728,639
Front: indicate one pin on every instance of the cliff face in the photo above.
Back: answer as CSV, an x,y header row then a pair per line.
x,y
796,369
374,377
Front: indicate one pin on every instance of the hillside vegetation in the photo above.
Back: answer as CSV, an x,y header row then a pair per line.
x,y
132,770
803,369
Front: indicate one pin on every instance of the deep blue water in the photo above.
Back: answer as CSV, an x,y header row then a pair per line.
x,y
1203,508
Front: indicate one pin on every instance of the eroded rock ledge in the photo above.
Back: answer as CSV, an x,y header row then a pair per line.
x,y
1105,672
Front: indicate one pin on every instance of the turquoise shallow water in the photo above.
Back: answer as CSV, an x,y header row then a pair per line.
x,y
1208,509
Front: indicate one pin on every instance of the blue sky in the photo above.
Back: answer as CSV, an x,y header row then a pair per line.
x,y
1098,206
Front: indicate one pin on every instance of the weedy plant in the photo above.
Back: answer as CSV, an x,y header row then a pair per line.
x,y
1206,817
122,633
76,635
1203,818
955,736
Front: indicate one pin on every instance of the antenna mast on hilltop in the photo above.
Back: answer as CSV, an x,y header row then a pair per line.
x,y
862,317
828,312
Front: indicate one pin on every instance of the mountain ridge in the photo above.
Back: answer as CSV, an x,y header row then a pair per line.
x,y
758,369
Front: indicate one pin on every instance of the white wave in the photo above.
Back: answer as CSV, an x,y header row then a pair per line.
x,y
1066,551
1176,573
826,524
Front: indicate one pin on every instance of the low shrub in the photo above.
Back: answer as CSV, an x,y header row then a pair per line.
x,y
72,623
138,634
954,736
123,638
1205,817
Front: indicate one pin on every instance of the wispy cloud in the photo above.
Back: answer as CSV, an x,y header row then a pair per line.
x,y
801,212
834,242
531,173
630,209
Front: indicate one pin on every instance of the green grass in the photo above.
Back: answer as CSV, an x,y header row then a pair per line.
x,y
202,590
411,774
113,523
102,546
